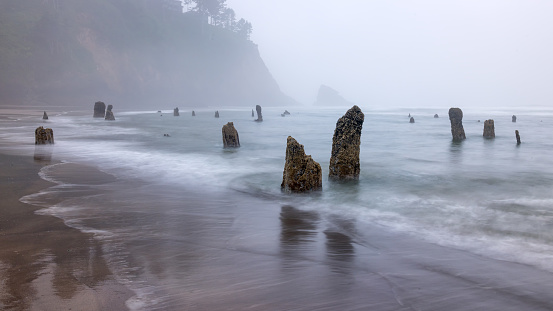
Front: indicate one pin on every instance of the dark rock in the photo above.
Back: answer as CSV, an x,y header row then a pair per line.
x,y
456,119
301,172
159,111
412,120
44,136
286,112
217,114
176,112
99,110
514,118
259,115
230,136
344,159
193,113
166,135
282,115
489,129
517,136
109,114
409,116
253,115
44,116
436,116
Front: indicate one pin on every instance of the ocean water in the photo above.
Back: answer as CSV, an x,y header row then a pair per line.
x,y
187,224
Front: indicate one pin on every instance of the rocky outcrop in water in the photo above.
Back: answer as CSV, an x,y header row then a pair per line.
x,y
253,115
436,116
193,113
217,114
259,115
99,110
489,129
109,114
412,120
44,116
517,137
344,158
230,136
286,112
514,118
456,119
327,96
44,136
176,112
301,172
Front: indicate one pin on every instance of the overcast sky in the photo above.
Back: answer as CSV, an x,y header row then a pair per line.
x,y
408,53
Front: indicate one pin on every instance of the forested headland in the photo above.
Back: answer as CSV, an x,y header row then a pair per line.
x,y
132,53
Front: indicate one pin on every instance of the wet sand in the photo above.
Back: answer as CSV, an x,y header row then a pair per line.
x,y
227,253
44,264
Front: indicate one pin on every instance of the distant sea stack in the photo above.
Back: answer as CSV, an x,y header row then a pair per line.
x,y
489,129
217,114
412,120
193,113
286,112
327,96
99,110
344,158
259,114
176,112
514,119
456,119
44,136
44,116
230,136
301,172
517,137
253,115
436,116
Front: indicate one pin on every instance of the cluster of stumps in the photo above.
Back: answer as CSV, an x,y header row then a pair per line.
x,y
46,136
301,172
458,132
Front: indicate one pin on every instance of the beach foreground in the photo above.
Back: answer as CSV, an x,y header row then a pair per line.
x,y
44,264
226,257
177,222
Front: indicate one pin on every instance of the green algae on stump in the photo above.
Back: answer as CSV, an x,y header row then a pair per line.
x,y
44,136
456,119
344,158
489,129
301,172
230,136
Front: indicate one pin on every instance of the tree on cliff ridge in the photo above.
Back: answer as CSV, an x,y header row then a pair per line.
x,y
221,16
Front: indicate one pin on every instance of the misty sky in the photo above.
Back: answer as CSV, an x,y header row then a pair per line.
x,y
408,53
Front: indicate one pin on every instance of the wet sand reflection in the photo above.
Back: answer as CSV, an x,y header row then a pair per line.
x,y
298,232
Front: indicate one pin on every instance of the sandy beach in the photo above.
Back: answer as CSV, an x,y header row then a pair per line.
x,y
178,224
44,264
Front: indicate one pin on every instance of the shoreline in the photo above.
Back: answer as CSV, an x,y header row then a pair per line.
x,y
45,264
164,243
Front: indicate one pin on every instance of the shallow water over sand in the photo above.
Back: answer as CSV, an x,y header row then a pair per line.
x,y
430,225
